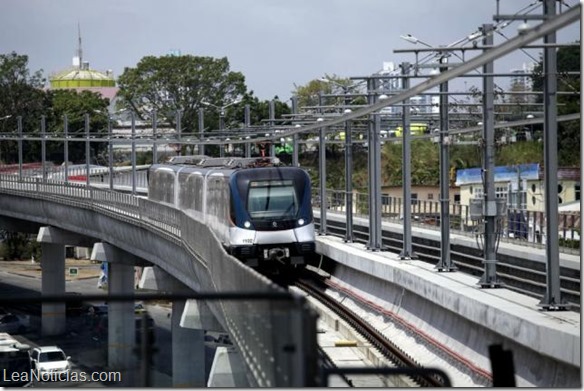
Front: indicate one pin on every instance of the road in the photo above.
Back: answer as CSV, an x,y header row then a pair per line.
x,y
87,349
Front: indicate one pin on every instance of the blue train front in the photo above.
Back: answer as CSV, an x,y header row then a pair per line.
x,y
262,215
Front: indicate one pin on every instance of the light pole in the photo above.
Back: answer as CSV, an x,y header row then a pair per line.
x,y
221,110
530,137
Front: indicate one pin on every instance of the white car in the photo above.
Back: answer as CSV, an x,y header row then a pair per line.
x,y
50,362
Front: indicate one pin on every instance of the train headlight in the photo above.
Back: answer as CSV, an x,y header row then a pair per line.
x,y
300,221
247,224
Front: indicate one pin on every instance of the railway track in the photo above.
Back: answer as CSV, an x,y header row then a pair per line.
x,y
312,284
520,275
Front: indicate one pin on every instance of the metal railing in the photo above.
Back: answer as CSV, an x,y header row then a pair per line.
x,y
518,226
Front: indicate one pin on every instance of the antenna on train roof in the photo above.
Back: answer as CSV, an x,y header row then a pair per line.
x,y
189,159
225,162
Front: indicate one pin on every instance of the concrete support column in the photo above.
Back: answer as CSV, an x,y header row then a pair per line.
x,y
53,241
53,319
189,321
121,317
188,351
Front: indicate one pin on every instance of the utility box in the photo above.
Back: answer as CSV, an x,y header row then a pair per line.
x,y
477,212
476,209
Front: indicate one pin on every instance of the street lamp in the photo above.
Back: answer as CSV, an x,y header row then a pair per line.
x,y
221,110
530,137
410,38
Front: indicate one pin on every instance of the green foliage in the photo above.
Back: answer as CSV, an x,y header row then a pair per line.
x,y
308,95
75,105
16,245
424,159
22,95
520,153
169,84
568,60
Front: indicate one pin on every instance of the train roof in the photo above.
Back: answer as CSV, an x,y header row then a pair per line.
x,y
228,163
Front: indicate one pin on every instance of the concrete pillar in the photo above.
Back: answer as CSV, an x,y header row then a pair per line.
x,y
188,329
188,351
227,370
121,317
53,319
53,241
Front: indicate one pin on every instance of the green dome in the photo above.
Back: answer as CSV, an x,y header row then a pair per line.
x,y
81,77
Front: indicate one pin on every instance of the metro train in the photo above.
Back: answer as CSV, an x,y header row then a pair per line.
x,y
259,210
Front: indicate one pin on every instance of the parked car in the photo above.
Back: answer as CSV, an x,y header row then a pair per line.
x,y
13,324
50,361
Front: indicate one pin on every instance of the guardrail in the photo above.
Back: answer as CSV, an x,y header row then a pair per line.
x,y
517,226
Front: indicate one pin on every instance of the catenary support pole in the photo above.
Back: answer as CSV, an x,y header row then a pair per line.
x,y
272,113
247,124
87,152
552,299
295,144
110,152
322,179
44,147
66,147
20,158
406,169
348,176
489,277
133,153
445,264
201,131
155,137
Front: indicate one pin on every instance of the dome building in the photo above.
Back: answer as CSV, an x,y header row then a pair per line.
x,y
81,77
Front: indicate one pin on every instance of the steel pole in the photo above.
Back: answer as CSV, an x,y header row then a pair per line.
x,y
110,152
20,157
272,114
201,131
489,278
87,151
247,121
322,179
553,299
66,147
179,130
445,263
221,127
375,152
155,135
133,154
295,144
406,169
348,177
44,147
370,186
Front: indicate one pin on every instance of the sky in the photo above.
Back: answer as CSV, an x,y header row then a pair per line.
x,y
276,44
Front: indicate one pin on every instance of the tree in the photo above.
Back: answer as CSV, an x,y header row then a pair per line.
x,y
169,84
22,95
308,95
75,105
568,60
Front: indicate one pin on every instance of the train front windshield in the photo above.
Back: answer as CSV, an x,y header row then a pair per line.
x,y
272,199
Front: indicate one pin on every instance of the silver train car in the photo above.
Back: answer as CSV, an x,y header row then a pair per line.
x,y
260,211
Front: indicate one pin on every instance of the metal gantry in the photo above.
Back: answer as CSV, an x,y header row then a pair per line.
x,y
348,118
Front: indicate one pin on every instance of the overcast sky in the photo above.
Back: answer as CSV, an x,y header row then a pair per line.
x,y
274,43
